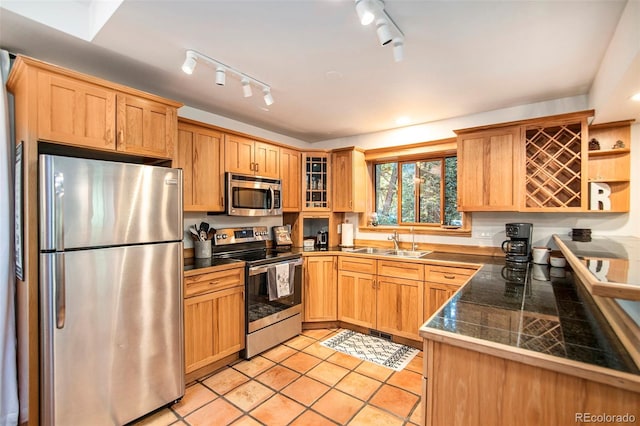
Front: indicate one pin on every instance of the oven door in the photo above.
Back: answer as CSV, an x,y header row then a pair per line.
x,y
253,196
262,312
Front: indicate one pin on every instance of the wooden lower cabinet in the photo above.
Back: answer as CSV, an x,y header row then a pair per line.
x,y
441,282
213,316
390,304
436,295
466,387
398,307
357,298
320,297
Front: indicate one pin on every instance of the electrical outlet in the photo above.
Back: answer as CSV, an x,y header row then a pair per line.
x,y
339,229
486,235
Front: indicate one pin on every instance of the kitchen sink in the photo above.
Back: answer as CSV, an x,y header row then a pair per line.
x,y
407,253
371,250
391,252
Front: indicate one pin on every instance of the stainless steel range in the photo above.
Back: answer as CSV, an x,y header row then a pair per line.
x,y
272,316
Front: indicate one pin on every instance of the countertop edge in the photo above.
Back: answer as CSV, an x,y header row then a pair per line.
x,y
582,370
216,268
426,261
594,286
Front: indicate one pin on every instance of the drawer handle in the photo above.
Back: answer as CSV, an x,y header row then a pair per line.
x,y
449,277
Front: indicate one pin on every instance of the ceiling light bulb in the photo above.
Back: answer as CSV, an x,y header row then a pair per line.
x,y
383,31
365,11
189,63
220,76
268,99
246,88
398,49
636,97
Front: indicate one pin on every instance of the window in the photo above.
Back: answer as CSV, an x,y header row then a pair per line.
x,y
417,192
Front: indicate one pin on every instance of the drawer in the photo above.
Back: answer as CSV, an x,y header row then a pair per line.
x,y
411,271
357,264
213,281
448,274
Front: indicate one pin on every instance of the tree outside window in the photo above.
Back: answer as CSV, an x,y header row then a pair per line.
x,y
427,188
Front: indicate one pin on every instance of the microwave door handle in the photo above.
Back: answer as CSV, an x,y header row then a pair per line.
x,y
273,199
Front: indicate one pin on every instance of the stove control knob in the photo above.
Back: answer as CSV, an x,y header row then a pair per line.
x,y
224,236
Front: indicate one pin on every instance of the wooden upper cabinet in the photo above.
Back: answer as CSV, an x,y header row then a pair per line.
x,y
85,111
199,155
290,171
489,170
349,180
75,113
246,156
145,127
238,154
267,159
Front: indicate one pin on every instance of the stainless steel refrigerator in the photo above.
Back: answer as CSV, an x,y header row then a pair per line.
x,y
110,290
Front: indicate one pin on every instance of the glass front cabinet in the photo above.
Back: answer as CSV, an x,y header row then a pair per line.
x,y
316,182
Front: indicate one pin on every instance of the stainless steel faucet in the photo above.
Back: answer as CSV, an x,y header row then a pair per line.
x,y
394,238
413,240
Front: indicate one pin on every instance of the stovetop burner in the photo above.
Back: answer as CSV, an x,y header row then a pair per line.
x,y
248,244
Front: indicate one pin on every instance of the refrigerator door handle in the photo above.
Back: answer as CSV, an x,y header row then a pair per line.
x,y
60,291
58,210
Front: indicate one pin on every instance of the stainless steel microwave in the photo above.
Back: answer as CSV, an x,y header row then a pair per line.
x,y
253,195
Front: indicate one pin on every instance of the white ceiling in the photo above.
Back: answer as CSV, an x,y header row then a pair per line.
x,y
329,76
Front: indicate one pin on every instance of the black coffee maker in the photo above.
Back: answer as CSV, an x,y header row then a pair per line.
x,y
518,246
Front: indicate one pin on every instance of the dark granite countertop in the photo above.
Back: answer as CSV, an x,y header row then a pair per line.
x,y
192,263
541,309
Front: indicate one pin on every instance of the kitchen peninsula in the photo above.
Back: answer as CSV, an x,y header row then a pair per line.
x,y
527,345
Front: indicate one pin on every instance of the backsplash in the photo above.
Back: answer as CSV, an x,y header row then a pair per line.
x,y
224,221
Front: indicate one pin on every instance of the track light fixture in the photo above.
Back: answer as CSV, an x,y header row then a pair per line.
x,y
221,77
221,72
387,31
268,99
246,88
189,63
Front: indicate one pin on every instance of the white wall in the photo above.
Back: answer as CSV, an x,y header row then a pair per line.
x,y
238,126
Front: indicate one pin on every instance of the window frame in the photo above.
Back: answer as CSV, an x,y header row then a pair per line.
x,y
425,151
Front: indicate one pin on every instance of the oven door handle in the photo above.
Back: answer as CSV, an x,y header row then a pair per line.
x,y
256,270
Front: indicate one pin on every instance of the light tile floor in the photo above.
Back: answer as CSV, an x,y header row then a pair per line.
x,y
300,382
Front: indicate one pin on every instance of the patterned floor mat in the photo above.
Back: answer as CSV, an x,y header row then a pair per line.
x,y
374,349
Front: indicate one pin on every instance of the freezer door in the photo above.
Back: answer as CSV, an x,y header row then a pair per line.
x,y
93,203
118,353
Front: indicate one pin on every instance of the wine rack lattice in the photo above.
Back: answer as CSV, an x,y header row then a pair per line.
x,y
553,165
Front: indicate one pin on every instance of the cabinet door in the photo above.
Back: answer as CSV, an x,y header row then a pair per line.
x,y
238,154
321,289
76,113
341,168
316,174
349,181
145,127
489,170
213,327
357,298
398,307
208,176
184,160
290,175
436,295
267,160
